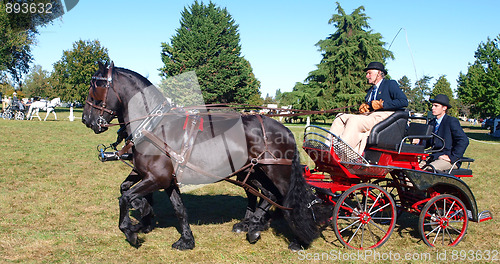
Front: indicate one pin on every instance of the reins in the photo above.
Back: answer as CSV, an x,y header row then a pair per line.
x,y
297,112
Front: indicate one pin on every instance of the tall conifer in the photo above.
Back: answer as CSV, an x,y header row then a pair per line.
x,y
346,53
208,42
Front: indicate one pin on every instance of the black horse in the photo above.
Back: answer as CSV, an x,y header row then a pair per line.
x,y
113,88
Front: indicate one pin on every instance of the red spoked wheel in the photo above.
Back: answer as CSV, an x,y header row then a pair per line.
x,y
364,216
443,221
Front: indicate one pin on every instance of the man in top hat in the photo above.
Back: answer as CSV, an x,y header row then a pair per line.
x,y
448,128
381,100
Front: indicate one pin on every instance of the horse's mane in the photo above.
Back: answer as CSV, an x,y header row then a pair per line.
x,y
142,81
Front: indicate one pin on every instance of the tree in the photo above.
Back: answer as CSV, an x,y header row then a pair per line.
x,y
37,83
5,83
18,32
405,85
346,53
443,86
208,42
304,97
269,99
72,74
479,88
417,98
15,51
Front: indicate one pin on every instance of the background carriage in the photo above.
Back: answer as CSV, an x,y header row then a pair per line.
x,y
15,110
43,105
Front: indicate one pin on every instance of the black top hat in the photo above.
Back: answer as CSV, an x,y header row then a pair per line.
x,y
376,66
441,99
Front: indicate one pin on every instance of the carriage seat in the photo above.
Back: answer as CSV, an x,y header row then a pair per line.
x,y
461,172
388,133
419,131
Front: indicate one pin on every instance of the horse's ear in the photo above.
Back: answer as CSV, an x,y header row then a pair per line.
x,y
102,67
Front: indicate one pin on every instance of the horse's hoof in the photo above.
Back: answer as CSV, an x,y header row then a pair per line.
x,y
294,246
182,244
237,230
240,228
132,239
147,229
253,237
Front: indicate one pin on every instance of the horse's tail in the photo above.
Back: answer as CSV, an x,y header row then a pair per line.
x,y
301,199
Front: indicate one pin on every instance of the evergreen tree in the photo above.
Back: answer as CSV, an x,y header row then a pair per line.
x,y
346,53
479,89
421,93
405,85
72,74
208,42
443,86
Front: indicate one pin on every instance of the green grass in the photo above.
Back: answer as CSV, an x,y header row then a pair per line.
x,y
59,205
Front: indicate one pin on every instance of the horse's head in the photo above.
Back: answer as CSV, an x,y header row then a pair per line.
x,y
103,102
56,102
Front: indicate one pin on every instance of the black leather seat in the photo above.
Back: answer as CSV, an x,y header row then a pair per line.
x,y
389,132
419,131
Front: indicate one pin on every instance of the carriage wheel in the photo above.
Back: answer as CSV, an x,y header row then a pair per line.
x,y
364,216
393,189
7,115
19,116
443,221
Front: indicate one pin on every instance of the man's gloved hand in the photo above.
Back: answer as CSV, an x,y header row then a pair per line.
x,y
363,108
377,104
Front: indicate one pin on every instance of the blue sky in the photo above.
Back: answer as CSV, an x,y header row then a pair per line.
x,y
278,37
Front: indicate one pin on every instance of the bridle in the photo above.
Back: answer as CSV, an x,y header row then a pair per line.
x,y
100,93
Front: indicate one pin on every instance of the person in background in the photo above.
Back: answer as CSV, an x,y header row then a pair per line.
x,y
381,100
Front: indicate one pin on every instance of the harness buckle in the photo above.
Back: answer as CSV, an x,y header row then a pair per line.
x,y
101,122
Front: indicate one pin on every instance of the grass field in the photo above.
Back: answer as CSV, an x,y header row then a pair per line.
x,y
59,205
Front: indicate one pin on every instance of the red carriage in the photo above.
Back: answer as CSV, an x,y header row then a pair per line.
x,y
368,192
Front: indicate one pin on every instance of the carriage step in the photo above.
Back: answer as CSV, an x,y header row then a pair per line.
x,y
482,216
485,216
111,156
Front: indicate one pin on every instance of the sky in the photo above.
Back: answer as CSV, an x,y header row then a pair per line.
x,y
279,37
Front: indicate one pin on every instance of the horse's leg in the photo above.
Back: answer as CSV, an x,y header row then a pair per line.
x,y
132,179
47,115
134,198
54,111
186,241
259,220
242,226
35,111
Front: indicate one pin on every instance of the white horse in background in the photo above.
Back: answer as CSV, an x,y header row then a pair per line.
x,y
45,105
